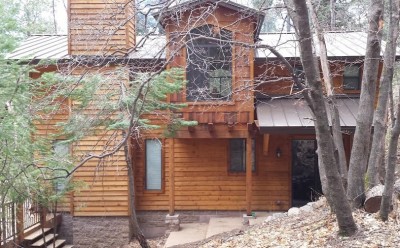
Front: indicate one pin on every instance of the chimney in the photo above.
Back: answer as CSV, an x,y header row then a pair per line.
x,y
101,27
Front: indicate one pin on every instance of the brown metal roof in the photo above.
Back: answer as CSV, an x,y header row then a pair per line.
x,y
339,44
42,47
294,115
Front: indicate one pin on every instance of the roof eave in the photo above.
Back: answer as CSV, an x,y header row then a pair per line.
x,y
161,15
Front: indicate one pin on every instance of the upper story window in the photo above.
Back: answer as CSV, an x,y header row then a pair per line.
x,y
209,64
351,78
299,73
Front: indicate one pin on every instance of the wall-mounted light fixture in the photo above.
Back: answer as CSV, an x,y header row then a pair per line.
x,y
278,152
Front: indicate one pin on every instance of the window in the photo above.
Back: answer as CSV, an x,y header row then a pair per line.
x,y
237,155
299,73
209,64
351,78
61,151
153,165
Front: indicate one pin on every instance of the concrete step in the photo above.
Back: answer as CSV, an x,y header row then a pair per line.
x,y
35,235
49,238
68,246
56,244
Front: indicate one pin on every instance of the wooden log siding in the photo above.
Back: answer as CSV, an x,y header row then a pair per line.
x,y
101,27
105,182
265,71
241,103
202,180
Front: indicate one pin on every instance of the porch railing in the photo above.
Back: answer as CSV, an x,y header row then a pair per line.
x,y
16,218
8,221
31,213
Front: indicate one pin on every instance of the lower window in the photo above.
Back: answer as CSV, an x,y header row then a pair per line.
x,y
237,155
153,165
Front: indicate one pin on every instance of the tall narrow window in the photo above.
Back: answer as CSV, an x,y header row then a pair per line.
x,y
153,165
351,78
61,151
209,64
237,155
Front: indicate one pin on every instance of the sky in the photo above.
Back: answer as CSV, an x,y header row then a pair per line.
x,y
61,16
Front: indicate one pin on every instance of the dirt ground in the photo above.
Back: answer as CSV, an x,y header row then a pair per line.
x,y
315,229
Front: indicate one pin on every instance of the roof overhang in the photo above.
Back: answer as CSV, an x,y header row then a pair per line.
x,y
229,4
294,115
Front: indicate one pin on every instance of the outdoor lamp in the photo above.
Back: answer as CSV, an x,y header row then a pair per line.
x,y
278,152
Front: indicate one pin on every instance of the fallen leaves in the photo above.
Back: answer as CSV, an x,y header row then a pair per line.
x,y
315,229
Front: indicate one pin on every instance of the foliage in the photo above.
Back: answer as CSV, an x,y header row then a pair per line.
x,y
21,156
118,107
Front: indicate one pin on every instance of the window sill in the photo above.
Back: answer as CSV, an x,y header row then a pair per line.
x,y
240,173
153,191
351,91
228,103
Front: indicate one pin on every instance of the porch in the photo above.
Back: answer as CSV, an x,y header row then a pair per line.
x,y
27,225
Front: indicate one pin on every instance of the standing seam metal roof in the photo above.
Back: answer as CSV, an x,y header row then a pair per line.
x,y
339,44
280,114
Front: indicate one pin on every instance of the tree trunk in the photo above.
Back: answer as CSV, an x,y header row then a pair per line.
x,y
380,118
362,136
134,229
332,4
390,168
336,129
315,99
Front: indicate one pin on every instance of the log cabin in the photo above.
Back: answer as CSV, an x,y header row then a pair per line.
x,y
253,148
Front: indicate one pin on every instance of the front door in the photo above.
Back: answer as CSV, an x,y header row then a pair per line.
x,y
306,184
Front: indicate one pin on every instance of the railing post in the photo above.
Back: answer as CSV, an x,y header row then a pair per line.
x,y
13,221
3,224
20,223
43,215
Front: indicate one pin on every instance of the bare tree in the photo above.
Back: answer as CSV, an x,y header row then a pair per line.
x,y
361,144
334,189
387,80
380,117
329,87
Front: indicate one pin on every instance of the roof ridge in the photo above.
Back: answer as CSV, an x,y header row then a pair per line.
x,y
329,32
47,35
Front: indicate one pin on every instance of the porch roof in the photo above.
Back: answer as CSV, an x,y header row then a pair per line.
x,y
294,116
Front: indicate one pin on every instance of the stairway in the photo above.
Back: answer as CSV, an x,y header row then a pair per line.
x,y
50,240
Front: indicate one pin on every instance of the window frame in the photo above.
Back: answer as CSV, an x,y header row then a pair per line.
x,y
162,167
60,184
209,80
254,157
358,77
299,73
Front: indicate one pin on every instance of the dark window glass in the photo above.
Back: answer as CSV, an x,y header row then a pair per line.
x,y
351,78
209,64
237,155
299,73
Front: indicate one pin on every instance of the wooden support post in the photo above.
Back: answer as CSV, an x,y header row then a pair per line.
x,y
171,178
20,223
211,127
191,129
230,126
71,203
249,175
265,144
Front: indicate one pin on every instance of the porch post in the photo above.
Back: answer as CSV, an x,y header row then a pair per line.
x,y
172,220
249,175
171,178
20,222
